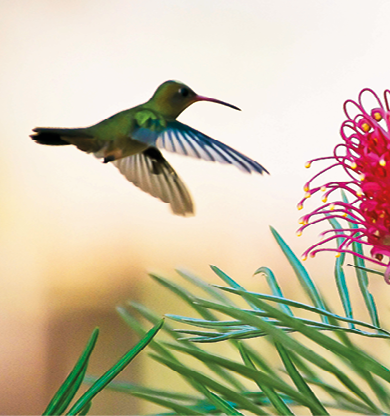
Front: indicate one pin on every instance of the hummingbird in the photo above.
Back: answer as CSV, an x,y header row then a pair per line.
x,y
131,140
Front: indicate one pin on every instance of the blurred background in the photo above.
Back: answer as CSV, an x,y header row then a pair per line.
x,y
77,239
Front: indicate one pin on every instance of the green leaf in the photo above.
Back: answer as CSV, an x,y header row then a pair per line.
x,y
303,306
183,294
219,403
169,404
341,283
255,375
379,390
301,273
227,279
70,386
191,300
148,314
135,325
323,340
363,282
273,396
114,371
343,399
316,408
367,269
204,286
274,286
130,388
85,409
191,375
362,275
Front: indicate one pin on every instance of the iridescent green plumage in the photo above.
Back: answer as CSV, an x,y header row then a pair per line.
x,y
131,140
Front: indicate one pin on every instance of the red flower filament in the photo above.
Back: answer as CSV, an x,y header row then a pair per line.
x,y
364,154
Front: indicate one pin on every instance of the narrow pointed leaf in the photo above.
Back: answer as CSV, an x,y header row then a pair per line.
x,y
362,275
303,306
67,391
126,387
274,398
316,408
341,282
274,286
141,331
218,402
169,404
183,294
114,371
255,375
380,391
191,300
301,273
228,393
305,352
205,286
228,280
85,409
363,283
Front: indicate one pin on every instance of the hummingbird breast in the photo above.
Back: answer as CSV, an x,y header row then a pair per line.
x,y
120,148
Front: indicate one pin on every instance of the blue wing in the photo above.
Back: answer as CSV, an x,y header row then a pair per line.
x,y
180,138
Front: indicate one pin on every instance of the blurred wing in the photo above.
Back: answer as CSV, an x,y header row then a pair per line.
x,y
154,175
180,138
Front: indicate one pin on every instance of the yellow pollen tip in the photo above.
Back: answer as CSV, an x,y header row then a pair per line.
x,y
382,162
307,195
304,258
312,255
345,214
299,233
362,177
307,165
306,188
359,193
299,206
377,116
353,165
365,127
331,207
338,255
301,221
323,188
324,199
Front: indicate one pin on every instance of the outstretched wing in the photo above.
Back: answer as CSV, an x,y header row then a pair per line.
x,y
180,138
153,174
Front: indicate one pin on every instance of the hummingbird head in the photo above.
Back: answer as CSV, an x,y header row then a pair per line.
x,y
173,97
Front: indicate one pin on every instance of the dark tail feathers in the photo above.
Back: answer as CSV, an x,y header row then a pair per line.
x,y
52,136
47,136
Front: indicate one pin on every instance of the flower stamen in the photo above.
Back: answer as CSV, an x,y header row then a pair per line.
x,y
364,155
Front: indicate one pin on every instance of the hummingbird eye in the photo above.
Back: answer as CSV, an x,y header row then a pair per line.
x,y
184,92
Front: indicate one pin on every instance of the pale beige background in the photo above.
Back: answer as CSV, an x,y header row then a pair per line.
x,y
77,239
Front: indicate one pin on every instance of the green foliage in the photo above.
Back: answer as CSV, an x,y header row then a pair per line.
x,y
297,379
316,363
69,388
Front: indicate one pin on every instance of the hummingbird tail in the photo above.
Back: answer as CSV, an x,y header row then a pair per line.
x,y
51,137
60,137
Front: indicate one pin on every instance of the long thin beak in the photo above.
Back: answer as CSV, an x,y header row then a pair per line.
x,y
214,100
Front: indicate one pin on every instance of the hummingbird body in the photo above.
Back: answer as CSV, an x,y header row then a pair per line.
x,y
131,140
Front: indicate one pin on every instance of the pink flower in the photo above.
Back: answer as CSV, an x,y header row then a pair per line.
x,y
364,155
